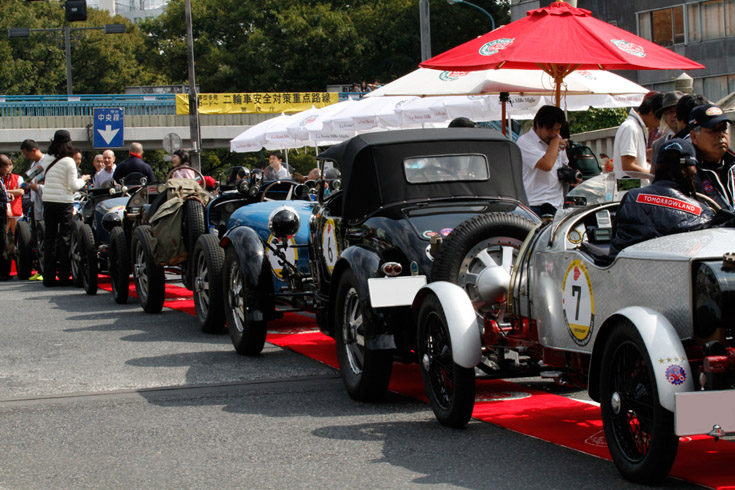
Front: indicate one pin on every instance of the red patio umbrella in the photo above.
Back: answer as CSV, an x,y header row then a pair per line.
x,y
559,39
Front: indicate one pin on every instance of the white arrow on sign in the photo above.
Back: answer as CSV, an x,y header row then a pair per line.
x,y
108,134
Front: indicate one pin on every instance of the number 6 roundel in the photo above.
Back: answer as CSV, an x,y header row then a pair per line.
x,y
578,303
330,252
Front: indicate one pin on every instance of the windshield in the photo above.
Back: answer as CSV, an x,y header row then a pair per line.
x,y
605,188
446,168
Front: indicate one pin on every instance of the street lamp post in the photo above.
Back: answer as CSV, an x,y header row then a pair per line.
x,y
26,32
492,21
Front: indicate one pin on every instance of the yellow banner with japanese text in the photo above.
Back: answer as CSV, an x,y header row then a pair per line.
x,y
257,103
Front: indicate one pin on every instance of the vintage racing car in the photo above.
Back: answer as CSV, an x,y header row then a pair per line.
x,y
248,268
649,334
378,240
100,211
132,247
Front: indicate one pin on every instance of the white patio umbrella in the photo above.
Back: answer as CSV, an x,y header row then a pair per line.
x,y
424,81
253,139
577,88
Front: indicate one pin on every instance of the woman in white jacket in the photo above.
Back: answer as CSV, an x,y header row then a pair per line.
x,y
61,183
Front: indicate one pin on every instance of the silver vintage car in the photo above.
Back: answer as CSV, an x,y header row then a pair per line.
x,y
649,334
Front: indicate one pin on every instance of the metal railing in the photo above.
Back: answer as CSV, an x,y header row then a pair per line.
x,y
84,105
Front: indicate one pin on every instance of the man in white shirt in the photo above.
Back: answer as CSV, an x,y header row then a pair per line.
x,y
105,174
277,169
631,138
543,154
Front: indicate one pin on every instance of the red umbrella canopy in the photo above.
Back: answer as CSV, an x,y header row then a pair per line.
x,y
559,39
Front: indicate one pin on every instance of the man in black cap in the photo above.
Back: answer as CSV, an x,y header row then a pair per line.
x,y
710,134
665,207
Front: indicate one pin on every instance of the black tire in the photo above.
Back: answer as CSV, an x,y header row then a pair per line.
x,y
365,373
23,250
450,387
208,264
639,431
247,333
150,279
75,254
477,243
40,239
88,266
194,227
119,265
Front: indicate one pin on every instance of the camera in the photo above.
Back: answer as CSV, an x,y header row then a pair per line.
x,y
568,175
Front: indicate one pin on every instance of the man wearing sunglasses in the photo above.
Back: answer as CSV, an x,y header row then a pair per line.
x,y
710,134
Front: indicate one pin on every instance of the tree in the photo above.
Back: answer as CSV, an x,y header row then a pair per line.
x,y
100,63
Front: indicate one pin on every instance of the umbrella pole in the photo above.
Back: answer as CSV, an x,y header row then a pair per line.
x,y
504,121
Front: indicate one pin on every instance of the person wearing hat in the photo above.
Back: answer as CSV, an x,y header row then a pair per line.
x,y
666,206
667,114
710,134
61,183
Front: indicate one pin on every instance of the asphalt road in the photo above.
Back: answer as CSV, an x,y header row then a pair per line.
x,y
99,395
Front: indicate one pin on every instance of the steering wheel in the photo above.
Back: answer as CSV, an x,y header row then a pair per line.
x,y
199,177
433,171
291,183
709,201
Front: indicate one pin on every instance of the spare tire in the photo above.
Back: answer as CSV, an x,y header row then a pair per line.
x,y
480,242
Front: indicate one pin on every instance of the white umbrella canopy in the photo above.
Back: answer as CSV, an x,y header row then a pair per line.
x,y
368,114
425,81
253,139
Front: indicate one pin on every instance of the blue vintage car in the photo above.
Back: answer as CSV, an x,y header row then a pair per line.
x,y
245,204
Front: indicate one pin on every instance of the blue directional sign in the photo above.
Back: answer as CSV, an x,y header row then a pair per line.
x,y
108,127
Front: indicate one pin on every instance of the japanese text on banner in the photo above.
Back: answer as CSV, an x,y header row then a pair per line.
x,y
257,103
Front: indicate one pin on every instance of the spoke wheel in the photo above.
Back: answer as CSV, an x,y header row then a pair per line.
x,y
119,265
208,264
450,387
193,227
75,254
23,250
365,372
639,431
246,321
87,259
150,280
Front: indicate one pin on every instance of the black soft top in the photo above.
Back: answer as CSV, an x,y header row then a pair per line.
x,y
373,174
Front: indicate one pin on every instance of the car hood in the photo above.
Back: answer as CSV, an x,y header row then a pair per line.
x,y
256,217
702,244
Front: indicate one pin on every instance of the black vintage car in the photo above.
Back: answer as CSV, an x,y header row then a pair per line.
x,y
375,242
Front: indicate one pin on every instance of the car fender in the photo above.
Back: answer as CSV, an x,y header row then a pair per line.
x,y
665,350
364,264
461,317
250,251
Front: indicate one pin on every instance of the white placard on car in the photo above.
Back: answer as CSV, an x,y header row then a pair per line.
x,y
394,291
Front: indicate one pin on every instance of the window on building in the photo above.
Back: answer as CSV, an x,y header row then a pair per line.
x,y
715,88
730,18
693,25
713,25
663,26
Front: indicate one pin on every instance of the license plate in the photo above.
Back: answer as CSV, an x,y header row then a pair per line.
x,y
394,291
698,411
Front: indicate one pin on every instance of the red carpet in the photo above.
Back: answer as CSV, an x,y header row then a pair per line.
x,y
549,417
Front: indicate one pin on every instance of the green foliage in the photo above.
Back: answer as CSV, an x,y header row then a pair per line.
x,y
592,119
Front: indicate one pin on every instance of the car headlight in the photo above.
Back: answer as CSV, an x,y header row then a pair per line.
x,y
284,222
111,220
714,299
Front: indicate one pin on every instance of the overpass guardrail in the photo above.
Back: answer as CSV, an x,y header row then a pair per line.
x,y
84,105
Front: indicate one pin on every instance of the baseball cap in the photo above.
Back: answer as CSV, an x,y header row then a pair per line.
x,y
677,150
707,116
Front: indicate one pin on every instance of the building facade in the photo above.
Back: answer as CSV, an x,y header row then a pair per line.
x,y
132,9
701,30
